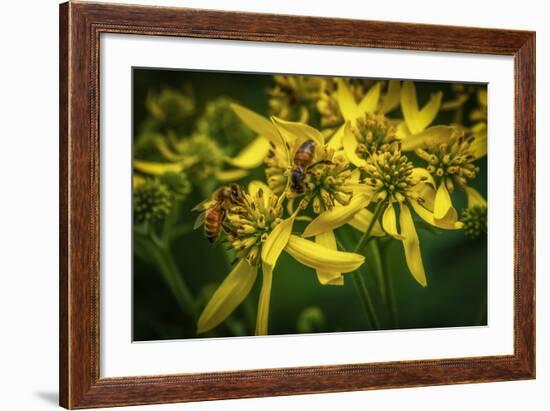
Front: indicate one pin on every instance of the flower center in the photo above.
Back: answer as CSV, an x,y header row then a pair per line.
x,y
390,175
249,224
374,133
325,183
453,159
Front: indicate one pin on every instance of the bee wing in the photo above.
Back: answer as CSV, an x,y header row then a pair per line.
x,y
203,205
199,221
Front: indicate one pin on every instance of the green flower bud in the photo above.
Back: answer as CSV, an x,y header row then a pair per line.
x,y
209,156
152,201
475,221
220,122
178,184
171,107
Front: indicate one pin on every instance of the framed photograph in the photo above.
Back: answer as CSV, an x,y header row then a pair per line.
x,y
259,205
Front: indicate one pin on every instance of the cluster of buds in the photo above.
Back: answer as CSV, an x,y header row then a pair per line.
x,y
171,107
374,133
220,122
326,183
475,221
249,223
390,175
152,201
453,159
292,97
207,154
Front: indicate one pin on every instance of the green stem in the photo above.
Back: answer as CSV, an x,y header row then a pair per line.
x,y
376,264
366,299
366,235
364,295
167,266
389,285
179,286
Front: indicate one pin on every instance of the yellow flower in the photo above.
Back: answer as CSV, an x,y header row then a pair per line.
x,y
259,235
292,97
390,180
416,120
450,157
366,127
328,104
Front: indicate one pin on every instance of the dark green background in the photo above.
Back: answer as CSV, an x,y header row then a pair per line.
x,y
456,267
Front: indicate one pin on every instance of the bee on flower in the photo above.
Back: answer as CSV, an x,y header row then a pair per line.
x,y
258,233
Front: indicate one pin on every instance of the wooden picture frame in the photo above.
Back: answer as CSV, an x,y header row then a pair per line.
x,y
80,27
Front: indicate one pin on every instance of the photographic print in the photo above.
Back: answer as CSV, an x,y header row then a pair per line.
x,y
291,204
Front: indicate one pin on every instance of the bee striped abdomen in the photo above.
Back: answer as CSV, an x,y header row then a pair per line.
x,y
213,222
304,154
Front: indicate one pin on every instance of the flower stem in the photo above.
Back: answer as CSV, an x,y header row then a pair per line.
x,y
364,295
366,235
358,278
159,253
366,299
387,278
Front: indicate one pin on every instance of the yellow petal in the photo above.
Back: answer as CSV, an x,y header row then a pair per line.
x,y
346,101
350,146
417,120
429,112
337,217
255,185
151,167
322,258
292,131
391,99
230,175
402,131
252,155
448,223
232,291
328,240
262,318
166,151
276,242
335,141
474,198
257,123
411,245
361,221
455,104
479,145
442,201
389,222
431,137
423,176
370,101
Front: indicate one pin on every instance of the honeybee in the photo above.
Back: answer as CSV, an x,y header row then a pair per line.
x,y
214,210
302,160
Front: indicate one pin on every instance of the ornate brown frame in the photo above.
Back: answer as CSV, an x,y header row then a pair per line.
x,y
80,27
